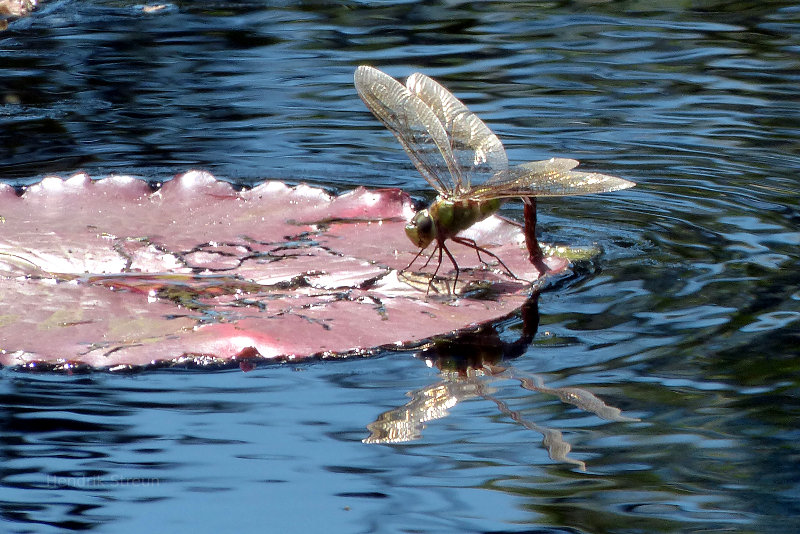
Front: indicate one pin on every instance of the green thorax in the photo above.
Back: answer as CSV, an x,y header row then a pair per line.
x,y
453,216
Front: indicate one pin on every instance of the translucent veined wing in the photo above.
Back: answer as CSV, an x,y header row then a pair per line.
x,y
549,178
478,152
413,123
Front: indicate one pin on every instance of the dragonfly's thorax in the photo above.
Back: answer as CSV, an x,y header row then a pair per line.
x,y
446,217
453,216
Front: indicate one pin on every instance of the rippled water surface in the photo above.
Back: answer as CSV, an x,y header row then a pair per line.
x,y
688,322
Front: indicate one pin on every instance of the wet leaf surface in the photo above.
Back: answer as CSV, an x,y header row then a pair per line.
x,y
111,274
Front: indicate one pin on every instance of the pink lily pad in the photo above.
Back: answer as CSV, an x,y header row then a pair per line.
x,y
110,274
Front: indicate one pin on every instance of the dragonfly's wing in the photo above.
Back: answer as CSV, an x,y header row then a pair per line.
x,y
412,122
478,152
549,178
441,136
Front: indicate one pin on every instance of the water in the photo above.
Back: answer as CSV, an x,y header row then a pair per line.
x,y
688,322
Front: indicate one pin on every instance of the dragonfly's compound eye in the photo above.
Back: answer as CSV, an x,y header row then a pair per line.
x,y
421,229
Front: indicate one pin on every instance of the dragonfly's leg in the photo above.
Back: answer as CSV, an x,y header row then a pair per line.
x,y
473,245
442,247
467,242
430,284
439,247
430,257
415,259
535,254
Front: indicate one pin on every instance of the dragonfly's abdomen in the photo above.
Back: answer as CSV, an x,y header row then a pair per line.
x,y
453,216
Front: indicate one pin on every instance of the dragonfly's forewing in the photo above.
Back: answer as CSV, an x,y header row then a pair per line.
x,y
478,152
413,123
549,178
457,153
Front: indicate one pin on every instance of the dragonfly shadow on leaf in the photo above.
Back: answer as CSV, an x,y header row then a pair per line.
x,y
469,365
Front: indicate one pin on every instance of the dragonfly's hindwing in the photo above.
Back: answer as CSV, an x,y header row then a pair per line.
x,y
413,123
479,153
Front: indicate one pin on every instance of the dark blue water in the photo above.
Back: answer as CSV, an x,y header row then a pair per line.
x,y
689,322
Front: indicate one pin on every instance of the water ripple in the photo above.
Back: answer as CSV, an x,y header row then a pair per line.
x,y
688,321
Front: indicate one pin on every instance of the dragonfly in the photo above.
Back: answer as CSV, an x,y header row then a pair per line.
x,y
467,165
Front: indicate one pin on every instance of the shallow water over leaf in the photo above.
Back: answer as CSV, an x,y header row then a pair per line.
x,y
688,322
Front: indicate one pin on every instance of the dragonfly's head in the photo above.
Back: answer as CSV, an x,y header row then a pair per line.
x,y
421,229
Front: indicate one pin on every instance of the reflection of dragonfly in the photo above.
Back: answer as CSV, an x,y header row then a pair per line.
x,y
463,160
470,364
406,423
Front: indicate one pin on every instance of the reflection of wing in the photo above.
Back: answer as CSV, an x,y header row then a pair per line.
x,y
413,123
549,178
406,423
478,152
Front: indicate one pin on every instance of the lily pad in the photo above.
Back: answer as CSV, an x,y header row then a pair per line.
x,y
14,9
112,274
